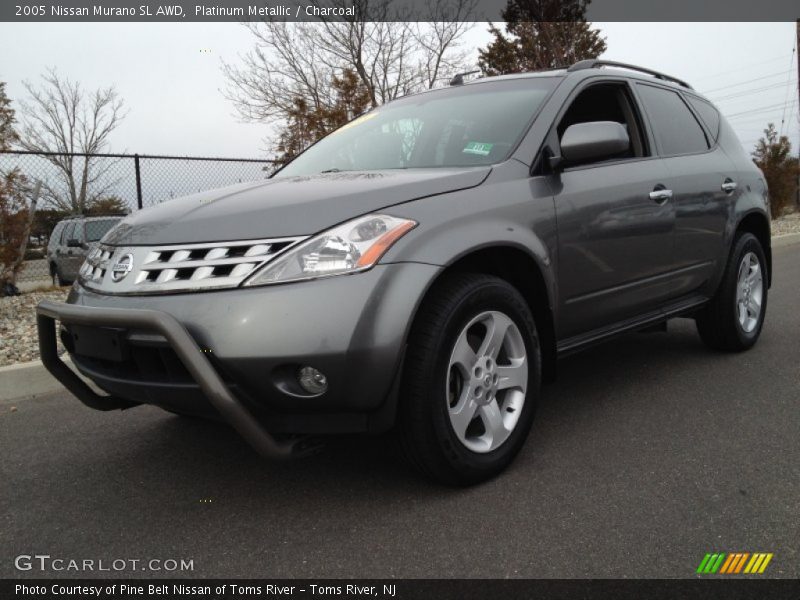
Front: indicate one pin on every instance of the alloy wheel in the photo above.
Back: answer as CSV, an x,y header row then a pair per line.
x,y
749,292
487,381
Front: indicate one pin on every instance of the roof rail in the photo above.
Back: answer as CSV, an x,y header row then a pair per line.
x,y
458,79
593,63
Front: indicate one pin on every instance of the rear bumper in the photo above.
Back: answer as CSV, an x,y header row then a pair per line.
x,y
237,349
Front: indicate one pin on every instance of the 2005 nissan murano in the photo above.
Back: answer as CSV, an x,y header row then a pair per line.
x,y
421,268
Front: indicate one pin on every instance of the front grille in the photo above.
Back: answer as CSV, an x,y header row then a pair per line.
x,y
95,269
184,267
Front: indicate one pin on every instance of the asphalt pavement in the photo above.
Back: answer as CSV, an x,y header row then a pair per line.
x,y
649,452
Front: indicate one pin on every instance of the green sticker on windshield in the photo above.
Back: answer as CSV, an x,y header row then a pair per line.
x,y
478,148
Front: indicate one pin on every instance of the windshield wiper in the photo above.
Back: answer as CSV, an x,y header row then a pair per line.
x,y
334,170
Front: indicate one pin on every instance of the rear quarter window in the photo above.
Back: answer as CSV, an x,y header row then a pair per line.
x,y
708,114
675,126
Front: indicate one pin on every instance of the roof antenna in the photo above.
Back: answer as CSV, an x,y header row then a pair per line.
x,y
458,79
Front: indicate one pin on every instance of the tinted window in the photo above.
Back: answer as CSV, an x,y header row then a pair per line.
x,y
97,229
67,235
707,113
454,127
675,126
606,102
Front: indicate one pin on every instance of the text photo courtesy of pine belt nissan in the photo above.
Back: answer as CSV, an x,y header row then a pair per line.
x,y
420,270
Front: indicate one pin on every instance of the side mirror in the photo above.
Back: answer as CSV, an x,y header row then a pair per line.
x,y
74,243
593,141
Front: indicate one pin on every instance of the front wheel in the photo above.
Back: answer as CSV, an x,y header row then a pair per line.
x,y
58,279
733,319
471,380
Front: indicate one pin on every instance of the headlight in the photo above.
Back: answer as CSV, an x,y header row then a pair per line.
x,y
354,246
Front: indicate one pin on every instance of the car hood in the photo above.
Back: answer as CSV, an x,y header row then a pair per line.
x,y
285,206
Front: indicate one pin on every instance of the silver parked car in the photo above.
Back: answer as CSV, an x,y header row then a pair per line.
x,y
422,268
71,241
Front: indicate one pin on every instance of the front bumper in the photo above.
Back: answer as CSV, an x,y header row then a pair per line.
x,y
239,346
189,353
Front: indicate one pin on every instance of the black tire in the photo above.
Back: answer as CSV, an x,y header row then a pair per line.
x,y
183,415
427,437
58,279
718,323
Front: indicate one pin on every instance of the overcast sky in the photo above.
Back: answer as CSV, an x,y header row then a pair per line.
x,y
172,89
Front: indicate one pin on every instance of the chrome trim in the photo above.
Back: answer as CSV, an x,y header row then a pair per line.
x,y
171,268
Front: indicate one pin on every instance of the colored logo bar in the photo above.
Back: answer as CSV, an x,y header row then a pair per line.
x,y
734,563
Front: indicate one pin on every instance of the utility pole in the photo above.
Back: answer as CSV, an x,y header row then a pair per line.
x,y
797,58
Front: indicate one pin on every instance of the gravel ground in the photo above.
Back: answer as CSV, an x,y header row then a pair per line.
x,y
18,340
786,224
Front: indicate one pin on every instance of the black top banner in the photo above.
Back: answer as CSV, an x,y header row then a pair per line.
x,y
394,10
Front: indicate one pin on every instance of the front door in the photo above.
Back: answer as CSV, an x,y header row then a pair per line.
x,y
616,221
614,244
74,254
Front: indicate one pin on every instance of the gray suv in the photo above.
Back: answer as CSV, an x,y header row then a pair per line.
x,y
71,241
421,269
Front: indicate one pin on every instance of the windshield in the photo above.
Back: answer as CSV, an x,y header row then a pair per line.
x,y
455,127
97,229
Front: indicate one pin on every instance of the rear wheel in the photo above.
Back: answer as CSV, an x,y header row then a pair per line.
x,y
733,319
471,380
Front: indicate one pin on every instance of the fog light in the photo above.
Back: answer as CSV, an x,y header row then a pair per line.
x,y
312,380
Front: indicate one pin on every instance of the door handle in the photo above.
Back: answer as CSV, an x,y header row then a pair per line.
x,y
728,186
660,194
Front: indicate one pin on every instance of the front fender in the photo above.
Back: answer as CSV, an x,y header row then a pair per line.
x,y
513,212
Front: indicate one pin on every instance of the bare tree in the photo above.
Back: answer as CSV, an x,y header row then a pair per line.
x,y
391,50
60,117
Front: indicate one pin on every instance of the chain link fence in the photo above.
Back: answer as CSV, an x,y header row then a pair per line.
x,y
102,184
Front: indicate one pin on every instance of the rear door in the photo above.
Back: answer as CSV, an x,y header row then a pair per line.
x,y
702,179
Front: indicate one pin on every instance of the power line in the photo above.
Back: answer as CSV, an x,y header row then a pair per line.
x,y
748,92
745,116
725,87
744,109
753,110
739,69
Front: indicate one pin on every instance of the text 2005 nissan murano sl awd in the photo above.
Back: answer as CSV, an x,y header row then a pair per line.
x,y
420,269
